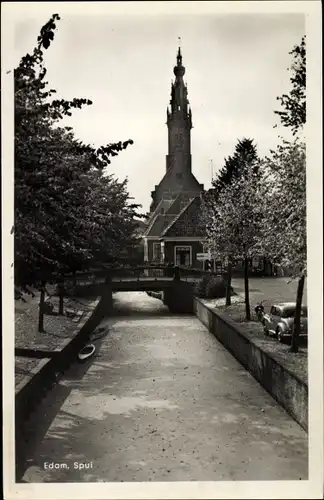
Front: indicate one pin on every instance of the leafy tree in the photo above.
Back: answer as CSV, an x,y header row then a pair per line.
x,y
240,165
245,156
294,103
69,215
283,237
234,232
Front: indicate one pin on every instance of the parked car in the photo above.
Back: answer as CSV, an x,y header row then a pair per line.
x,y
279,321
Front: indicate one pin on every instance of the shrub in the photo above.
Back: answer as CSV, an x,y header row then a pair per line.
x,y
211,287
200,286
216,288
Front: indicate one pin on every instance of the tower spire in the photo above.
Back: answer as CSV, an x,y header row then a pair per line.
x,y
179,70
179,98
179,56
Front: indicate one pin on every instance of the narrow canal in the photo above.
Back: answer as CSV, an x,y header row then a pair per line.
x,y
162,400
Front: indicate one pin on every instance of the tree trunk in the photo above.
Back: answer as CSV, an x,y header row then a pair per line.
x,y
41,309
61,297
246,289
296,326
228,283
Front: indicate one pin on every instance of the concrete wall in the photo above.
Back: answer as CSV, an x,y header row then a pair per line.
x,y
284,386
33,388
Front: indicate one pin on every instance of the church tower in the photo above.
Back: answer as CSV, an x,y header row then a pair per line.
x,y
174,233
178,178
179,123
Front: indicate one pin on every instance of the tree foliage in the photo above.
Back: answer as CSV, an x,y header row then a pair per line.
x,y
239,218
69,215
294,103
284,235
233,218
284,198
244,158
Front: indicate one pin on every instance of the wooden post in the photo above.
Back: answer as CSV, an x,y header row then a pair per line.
x,y
176,273
61,297
41,309
296,327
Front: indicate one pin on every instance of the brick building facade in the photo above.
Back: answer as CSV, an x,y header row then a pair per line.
x,y
173,234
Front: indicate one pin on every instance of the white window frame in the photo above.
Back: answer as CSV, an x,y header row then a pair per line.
x,y
156,244
145,250
189,247
162,251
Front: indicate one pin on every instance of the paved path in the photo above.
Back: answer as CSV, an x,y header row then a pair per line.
x,y
162,401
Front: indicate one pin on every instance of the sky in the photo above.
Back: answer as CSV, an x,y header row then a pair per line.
x,y
236,65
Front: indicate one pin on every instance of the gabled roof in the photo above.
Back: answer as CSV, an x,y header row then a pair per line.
x,y
176,203
150,224
189,179
159,223
186,223
176,217
163,204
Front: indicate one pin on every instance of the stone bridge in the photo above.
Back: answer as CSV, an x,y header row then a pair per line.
x,y
176,283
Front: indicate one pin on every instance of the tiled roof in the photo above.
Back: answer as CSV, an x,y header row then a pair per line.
x,y
160,222
176,218
186,222
164,204
176,203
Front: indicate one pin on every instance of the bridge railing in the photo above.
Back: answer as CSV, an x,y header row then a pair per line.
x,y
99,276
145,271
197,272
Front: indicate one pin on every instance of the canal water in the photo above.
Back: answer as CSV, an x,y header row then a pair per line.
x,y
161,400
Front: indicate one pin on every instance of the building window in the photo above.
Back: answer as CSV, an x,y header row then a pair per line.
x,y
183,255
156,251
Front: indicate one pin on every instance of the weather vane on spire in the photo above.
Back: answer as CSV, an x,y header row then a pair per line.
x,y
179,38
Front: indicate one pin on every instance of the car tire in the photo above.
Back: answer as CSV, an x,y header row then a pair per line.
x,y
280,336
